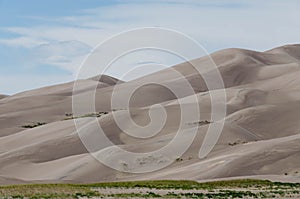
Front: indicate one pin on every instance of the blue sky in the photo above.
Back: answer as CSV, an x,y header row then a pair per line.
x,y
44,42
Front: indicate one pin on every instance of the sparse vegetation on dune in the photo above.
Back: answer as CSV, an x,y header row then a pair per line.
x,y
33,125
200,123
149,189
70,116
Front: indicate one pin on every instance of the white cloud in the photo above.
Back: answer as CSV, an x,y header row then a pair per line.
x,y
215,24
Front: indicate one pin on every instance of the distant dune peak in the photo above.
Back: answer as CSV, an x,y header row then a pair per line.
x,y
106,79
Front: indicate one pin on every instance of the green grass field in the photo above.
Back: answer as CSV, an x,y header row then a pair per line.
x,y
218,189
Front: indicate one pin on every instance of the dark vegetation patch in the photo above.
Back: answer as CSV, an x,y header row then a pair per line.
x,y
33,125
70,116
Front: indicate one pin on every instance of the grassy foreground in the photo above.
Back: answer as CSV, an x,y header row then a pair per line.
x,y
218,189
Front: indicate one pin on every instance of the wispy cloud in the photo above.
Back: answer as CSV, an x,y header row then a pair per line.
x,y
26,42
65,54
64,41
240,23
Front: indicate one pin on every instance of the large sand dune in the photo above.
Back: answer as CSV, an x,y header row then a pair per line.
x,y
2,96
260,138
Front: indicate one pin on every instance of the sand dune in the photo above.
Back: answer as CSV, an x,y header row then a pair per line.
x,y
260,138
2,96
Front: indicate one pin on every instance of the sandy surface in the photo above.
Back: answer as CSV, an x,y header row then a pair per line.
x,y
260,138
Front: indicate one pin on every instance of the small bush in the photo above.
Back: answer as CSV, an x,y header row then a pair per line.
x,y
30,126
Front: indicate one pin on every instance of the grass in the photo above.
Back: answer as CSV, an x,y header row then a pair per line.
x,y
157,184
217,189
224,194
46,191
135,195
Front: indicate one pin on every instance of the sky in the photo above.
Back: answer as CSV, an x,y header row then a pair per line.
x,y
44,42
